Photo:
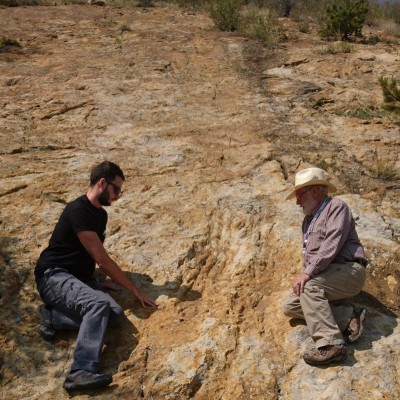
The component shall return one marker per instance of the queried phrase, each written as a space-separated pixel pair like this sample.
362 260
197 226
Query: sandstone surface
209 128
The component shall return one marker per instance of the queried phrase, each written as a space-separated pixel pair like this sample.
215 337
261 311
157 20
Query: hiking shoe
82 379
46 329
355 327
326 354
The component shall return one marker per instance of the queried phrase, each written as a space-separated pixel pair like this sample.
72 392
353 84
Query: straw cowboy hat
310 177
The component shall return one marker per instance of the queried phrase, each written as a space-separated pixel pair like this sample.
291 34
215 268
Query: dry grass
385 168
389 26
338 47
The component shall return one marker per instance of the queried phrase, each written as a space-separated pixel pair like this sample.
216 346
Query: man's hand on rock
144 300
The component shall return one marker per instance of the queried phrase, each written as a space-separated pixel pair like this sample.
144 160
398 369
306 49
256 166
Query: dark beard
104 198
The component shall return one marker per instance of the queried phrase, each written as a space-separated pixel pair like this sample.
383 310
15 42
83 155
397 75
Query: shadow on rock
370 301
144 282
119 344
88 393
379 321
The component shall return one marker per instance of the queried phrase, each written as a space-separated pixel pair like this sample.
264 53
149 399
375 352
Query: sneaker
82 379
355 327
326 354
46 329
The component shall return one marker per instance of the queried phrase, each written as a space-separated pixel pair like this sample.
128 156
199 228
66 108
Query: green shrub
6 42
344 18
390 91
124 28
262 24
304 27
226 14
248 19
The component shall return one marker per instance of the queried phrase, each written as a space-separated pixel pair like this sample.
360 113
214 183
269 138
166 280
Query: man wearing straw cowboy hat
333 269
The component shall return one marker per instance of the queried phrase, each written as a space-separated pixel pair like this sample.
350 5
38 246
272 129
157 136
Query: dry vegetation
260 18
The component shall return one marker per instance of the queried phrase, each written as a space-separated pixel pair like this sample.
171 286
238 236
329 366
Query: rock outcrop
209 128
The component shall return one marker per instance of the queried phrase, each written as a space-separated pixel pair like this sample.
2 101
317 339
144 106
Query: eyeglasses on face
299 195
116 188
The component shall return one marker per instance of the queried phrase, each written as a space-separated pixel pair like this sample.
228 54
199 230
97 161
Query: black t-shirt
65 249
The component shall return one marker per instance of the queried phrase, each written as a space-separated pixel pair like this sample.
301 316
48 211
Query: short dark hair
107 170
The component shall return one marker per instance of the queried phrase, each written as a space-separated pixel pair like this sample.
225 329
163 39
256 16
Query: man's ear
101 183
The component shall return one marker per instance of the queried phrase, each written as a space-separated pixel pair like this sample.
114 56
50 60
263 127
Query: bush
304 27
248 19
6 43
226 14
264 25
390 91
344 18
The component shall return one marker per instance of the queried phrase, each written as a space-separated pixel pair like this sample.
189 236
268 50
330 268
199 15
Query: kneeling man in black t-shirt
65 278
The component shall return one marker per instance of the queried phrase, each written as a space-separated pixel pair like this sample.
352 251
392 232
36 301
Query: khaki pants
326 320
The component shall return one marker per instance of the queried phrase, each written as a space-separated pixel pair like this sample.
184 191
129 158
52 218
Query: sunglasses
116 188
299 195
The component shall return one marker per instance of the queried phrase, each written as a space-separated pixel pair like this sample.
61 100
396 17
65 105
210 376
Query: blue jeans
84 306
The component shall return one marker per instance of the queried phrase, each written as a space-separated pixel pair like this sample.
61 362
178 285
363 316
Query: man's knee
292 308
286 309
96 306
117 316
289 310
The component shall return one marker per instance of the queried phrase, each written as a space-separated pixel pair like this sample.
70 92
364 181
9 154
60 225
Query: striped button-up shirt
333 238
